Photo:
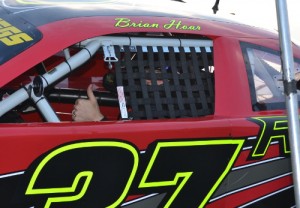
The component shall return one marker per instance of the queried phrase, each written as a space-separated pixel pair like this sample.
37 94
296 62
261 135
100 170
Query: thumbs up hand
87 109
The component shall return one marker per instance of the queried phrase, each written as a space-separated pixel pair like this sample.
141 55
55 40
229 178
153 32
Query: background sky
260 13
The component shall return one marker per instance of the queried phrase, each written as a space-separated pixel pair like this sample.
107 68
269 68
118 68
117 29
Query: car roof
38 14
41 21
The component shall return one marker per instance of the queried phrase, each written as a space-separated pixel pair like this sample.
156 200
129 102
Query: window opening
166 82
265 77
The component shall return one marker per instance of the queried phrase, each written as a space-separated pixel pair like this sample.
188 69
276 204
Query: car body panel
231 156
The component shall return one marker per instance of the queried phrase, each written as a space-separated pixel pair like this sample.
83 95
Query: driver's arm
87 109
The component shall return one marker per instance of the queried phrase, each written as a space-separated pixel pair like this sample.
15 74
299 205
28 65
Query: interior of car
134 77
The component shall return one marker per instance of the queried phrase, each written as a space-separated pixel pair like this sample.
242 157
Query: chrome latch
109 53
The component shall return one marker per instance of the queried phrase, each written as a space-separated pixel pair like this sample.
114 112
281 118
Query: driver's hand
87 109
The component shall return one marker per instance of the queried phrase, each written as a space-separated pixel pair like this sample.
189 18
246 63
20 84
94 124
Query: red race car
194 106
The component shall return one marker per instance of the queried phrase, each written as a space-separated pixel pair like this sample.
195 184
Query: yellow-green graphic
172 24
87 176
221 155
271 129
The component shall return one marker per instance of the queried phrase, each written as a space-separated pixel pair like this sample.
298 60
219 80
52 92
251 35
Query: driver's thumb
91 94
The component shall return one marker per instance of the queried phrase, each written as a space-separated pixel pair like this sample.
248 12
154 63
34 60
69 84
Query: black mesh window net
165 82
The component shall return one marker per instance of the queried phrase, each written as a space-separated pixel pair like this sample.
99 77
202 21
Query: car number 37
116 169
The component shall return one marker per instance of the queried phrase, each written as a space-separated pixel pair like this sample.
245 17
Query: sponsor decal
11 35
271 129
16 35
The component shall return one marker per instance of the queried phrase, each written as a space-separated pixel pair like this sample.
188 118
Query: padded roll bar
47 79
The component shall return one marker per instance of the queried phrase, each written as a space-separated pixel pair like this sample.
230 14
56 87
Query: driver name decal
172 24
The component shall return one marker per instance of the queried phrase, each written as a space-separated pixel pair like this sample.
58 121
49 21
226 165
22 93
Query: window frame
256 106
